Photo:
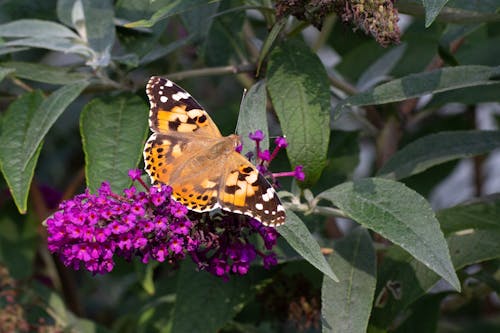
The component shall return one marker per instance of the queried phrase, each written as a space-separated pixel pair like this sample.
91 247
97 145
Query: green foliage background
377 130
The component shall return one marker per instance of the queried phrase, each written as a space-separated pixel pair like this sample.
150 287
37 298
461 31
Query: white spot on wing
259 206
180 95
194 113
163 99
268 195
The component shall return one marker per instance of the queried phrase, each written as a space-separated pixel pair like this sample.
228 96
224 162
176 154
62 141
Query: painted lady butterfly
187 152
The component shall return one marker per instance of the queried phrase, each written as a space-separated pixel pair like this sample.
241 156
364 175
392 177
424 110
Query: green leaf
198 20
173 8
93 19
432 8
54 305
300 239
223 41
253 116
346 306
49 43
469 95
162 51
416 85
113 133
35 28
416 279
5 71
18 166
18 245
459 12
205 302
399 214
474 246
269 42
145 276
381 68
44 73
423 316
343 159
8 50
47 114
300 93
481 214
438 148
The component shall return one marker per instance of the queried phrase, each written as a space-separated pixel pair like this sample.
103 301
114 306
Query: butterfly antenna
241 106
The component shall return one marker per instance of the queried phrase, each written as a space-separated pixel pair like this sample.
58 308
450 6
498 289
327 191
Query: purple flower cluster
264 157
90 230
226 248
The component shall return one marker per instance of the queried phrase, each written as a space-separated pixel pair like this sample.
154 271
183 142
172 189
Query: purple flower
281 142
134 174
299 173
265 155
175 245
270 260
219 267
257 136
178 210
91 230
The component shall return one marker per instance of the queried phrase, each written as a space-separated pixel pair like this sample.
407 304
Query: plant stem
211 71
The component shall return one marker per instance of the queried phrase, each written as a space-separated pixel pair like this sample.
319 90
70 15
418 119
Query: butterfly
187 152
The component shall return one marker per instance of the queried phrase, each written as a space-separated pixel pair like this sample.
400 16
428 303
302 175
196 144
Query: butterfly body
188 152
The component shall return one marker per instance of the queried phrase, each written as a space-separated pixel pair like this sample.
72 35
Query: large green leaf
301 240
46 115
479 214
113 133
44 73
300 93
399 214
416 85
415 279
205 302
438 148
432 8
253 116
346 306
17 167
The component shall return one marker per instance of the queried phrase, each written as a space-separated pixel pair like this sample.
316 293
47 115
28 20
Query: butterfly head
236 140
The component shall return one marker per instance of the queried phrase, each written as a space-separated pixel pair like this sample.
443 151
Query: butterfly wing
244 190
173 110
182 164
